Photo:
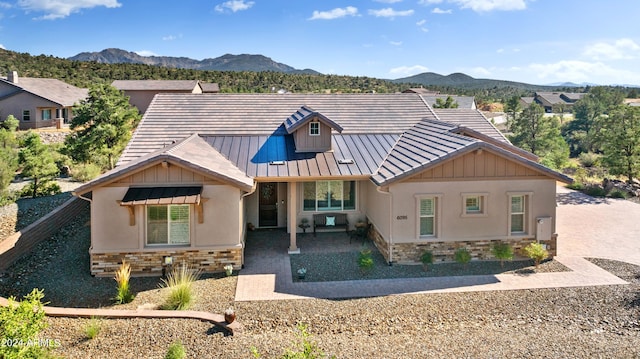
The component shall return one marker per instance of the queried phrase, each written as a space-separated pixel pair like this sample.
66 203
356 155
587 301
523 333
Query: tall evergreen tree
8 152
37 162
619 138
102 126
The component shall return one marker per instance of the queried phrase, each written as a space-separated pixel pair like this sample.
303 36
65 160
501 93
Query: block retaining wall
22 242
151 263
444 251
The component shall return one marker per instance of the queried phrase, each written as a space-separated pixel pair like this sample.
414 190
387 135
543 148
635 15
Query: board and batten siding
308 143
169 175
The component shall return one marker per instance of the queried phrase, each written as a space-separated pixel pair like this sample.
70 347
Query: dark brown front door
268 216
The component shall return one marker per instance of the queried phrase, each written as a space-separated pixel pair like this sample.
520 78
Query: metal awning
161 195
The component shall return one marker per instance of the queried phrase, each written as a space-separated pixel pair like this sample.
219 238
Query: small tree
426 258
8 152
502 251
448 103
37 162
536 252
20 324
462 256
365 261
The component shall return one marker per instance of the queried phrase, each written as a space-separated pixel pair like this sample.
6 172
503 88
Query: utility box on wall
543 229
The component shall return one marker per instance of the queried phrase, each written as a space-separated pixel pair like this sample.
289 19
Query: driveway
597 227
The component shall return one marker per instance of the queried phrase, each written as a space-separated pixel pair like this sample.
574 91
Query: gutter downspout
390 222
80 196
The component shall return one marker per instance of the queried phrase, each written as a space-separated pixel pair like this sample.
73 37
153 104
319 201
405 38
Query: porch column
291 216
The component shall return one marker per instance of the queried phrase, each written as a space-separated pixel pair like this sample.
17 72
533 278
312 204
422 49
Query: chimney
13 77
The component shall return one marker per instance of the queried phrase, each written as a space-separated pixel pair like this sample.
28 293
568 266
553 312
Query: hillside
468 82
228 62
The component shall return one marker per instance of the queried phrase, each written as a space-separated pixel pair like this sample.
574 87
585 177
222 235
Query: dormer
311 130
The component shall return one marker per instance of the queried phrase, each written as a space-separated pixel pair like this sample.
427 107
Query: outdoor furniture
330 220
361 231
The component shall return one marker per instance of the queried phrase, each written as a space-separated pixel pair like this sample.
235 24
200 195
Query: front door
268 207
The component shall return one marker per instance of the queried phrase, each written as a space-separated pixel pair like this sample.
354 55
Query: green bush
589 159
180 284
462 256
84 172
365 262
20 324
46 188
175 351
536 252
122 276
426 258
92 328
502 251
578 186
595 191
617 193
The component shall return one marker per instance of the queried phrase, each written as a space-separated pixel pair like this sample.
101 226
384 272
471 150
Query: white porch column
291 216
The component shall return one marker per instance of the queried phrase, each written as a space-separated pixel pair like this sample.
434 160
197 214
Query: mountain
465 81
228 62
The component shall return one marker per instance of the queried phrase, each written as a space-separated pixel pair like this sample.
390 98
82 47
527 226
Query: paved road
597 227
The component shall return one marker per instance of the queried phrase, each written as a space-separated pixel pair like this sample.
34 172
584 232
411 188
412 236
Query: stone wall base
151 263
444 251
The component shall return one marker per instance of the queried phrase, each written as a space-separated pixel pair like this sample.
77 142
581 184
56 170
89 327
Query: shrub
92 328
176 351
365 262
536 252
462 256
595 191
122 276
502 251
426 258
84 172
588 159
20 324
46 188
180 283
618 193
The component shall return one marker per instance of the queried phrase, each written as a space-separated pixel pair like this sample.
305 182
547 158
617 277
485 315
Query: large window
518 213
427 214
329 195
168 224
46 114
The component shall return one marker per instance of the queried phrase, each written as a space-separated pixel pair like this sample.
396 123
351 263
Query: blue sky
533 41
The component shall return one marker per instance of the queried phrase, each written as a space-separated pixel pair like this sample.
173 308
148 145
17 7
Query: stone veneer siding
151 263
444 251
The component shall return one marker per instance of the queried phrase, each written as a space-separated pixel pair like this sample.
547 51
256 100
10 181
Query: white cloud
388 1
334 14
408 70
491 5
389 12
169 38
500 51
438 10
622 49
582 71
480 71
62 8
396 43
429 2
234 5
5 5
2 47
421 22
146 53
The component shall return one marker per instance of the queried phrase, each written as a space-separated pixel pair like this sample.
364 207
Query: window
427 217
474 204
26 115
314 128
329 195
518 214
46 114
168 224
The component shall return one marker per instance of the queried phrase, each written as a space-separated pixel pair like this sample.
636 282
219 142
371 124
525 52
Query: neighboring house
553 101
200 168
141 92
421 91
37 102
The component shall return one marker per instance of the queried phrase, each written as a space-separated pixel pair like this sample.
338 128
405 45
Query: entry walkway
587 227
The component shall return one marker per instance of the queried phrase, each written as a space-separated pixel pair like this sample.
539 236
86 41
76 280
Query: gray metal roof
464 102
51 89
305 114
155 85
472 119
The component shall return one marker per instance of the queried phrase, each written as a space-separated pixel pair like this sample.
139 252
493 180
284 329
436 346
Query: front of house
201 168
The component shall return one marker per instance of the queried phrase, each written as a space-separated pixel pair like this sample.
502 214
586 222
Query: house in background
553 101
37 102
141 92
199 168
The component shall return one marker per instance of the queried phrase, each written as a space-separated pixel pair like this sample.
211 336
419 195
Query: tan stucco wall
453 225
110 229
14 105
377 208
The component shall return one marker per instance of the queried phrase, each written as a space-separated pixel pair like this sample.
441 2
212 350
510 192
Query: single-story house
553 101
200 168
141 92
38 102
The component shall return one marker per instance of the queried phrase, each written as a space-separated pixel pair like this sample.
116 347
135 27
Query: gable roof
464 102
304 115
53 90
192 153
155 85
208 87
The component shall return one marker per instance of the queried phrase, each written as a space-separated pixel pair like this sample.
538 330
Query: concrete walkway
587 227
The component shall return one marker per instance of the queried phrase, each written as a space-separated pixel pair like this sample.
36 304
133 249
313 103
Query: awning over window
161 195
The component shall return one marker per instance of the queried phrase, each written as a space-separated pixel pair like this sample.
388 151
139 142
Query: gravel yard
569 322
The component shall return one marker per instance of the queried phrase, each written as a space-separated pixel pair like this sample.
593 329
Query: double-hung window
518 214
168 224
427 216
329 195
26 115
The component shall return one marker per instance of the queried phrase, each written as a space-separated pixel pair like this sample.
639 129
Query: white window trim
146 230
437 223
483 198
527 214
355 208
310 128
